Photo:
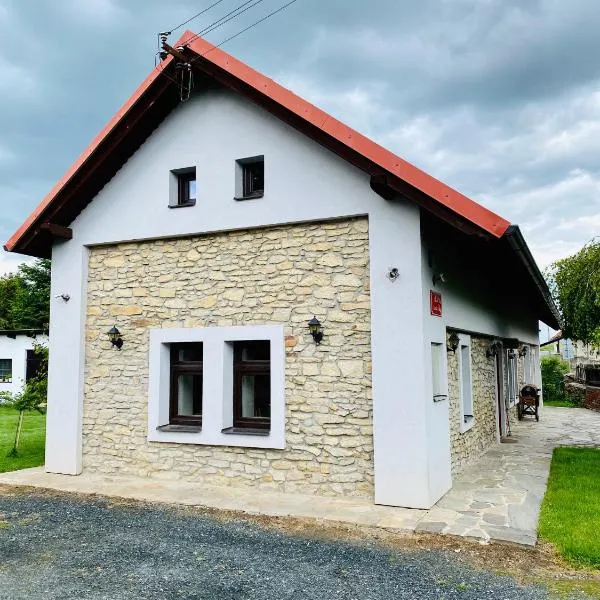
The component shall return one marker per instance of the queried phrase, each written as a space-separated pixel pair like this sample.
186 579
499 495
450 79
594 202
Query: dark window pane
5 370
252 384
187 352
251 351
256 397
189 395
254 178
186 188
186 383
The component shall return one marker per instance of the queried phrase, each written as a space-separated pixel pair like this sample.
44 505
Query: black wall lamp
115 337
316 330
493 349
453 342
523 350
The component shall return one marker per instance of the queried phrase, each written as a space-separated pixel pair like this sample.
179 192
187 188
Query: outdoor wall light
523 350
453 342
316 330
493 349
438 278
115 337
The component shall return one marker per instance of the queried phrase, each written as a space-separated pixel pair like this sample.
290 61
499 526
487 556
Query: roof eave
517 243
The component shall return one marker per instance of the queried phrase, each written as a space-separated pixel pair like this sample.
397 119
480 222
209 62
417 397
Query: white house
209 233
18 361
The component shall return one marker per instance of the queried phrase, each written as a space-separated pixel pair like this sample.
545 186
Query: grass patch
565 402
33 438
570 515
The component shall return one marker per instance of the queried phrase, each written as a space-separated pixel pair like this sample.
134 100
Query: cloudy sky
498 98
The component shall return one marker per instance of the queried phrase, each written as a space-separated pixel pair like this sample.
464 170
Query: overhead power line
215 25
236 12
195 16
266 17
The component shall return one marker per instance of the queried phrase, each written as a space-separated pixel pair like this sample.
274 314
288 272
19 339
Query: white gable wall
303 182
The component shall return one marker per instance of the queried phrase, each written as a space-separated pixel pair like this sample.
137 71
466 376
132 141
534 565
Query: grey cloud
499 98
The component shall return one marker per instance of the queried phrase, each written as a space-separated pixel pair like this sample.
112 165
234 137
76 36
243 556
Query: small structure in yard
247 292
18 360
574 352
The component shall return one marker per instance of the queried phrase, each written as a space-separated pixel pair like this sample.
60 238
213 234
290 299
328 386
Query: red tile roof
63 203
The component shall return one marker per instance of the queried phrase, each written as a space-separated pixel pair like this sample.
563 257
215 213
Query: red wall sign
435 301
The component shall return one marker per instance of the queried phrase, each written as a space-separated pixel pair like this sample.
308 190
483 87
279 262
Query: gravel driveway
72 548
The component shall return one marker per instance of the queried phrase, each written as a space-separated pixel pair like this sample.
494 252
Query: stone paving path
499 497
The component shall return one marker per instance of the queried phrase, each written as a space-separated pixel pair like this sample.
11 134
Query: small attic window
182 190
250 178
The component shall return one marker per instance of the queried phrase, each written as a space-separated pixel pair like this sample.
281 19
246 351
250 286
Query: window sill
180 428
467 425
250 196
245 431
185 205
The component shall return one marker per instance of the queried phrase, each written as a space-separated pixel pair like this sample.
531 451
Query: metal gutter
516 241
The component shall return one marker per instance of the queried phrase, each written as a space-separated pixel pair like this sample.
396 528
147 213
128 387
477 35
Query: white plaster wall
460 310
16 349
303 182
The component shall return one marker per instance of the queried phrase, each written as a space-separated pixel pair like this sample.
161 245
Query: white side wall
462 309
16 350
303 182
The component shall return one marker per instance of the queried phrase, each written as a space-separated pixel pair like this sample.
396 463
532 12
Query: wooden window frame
178 368
183 189
240 369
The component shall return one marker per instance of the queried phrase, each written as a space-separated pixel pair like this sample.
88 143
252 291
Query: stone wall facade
466 447
280 275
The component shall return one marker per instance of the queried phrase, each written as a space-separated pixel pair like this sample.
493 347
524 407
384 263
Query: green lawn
31 450
565 402
570 516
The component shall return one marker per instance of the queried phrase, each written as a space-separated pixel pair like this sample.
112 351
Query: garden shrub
554 370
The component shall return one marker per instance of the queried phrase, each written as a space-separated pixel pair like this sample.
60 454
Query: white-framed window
465 374
241 398
438 372
511 366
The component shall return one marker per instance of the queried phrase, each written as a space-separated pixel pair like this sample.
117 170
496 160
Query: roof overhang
391 176
154 99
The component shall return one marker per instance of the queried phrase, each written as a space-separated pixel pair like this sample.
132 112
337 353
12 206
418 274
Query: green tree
33 397
575 282
10 286
554 370
30 305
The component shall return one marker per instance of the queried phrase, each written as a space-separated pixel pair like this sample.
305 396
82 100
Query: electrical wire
236 12
222 21
266 17
195 16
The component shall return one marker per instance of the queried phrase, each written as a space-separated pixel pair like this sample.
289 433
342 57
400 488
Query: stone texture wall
586 396
468 446
592 398
280 275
